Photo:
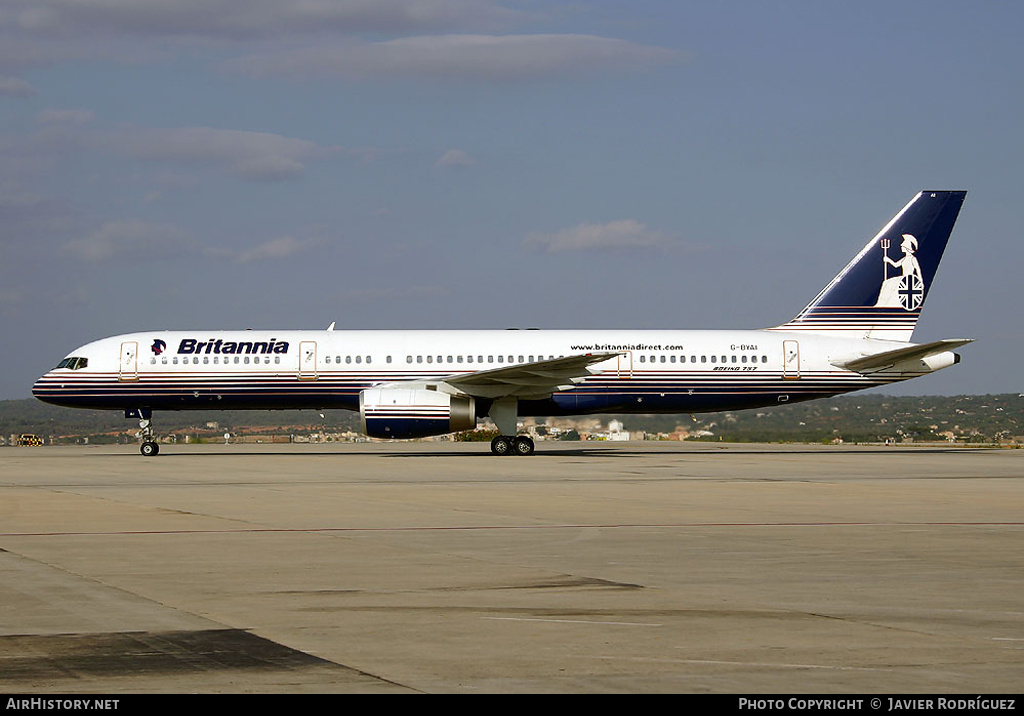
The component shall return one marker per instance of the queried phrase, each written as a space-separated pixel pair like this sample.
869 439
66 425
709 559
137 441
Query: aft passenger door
307 360
128 366
791 360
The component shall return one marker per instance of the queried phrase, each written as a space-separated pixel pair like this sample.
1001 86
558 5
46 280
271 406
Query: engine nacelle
928 364
405 413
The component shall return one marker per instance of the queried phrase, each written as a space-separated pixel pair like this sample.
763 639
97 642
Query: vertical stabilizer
881 292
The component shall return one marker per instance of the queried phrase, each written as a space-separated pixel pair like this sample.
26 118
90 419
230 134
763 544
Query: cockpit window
73 363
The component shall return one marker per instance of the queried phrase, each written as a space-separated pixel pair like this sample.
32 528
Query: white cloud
134 240
626 234
14 87
279 248
28 219
255 156
455 158
65 116
241 19
471 57
131 239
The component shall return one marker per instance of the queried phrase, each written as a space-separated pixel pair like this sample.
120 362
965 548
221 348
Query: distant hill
857 418
70 425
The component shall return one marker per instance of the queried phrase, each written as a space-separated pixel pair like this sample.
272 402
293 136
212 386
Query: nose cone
37 387
43 389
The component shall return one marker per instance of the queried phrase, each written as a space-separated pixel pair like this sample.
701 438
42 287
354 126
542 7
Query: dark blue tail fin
881 292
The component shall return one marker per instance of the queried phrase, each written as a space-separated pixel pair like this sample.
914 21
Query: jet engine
404 413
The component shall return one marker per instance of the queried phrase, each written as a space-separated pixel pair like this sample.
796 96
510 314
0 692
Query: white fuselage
652 371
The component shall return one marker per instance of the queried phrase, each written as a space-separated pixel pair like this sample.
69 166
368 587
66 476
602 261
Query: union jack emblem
911 292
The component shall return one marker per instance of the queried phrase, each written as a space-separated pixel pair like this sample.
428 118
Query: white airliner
410 384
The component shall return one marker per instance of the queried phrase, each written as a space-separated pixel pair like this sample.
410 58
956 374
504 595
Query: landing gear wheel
148 446
501 445
522 445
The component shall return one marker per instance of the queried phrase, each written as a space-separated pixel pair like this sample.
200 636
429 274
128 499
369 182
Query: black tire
501 445
149 449
522 446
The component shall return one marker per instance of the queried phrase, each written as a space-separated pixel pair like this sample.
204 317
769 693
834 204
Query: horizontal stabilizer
887 359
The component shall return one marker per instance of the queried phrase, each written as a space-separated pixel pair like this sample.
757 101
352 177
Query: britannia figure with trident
905 290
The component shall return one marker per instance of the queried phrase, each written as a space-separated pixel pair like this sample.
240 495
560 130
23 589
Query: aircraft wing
887 359
533 381
529 380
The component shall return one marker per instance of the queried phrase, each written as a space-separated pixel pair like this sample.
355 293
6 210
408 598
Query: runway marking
570 621
478 528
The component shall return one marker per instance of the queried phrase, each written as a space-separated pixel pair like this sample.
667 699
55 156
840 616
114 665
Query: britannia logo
905 289
158 347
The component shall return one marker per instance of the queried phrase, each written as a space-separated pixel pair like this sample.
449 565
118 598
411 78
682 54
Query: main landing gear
512 445
504 412
149 446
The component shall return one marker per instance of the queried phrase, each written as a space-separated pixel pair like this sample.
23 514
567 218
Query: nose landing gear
149 446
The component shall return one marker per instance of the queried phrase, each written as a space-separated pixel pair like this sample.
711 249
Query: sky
405 164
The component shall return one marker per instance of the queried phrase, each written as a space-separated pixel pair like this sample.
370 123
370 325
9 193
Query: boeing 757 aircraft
855 334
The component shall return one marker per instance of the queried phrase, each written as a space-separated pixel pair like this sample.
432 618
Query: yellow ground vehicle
28 439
